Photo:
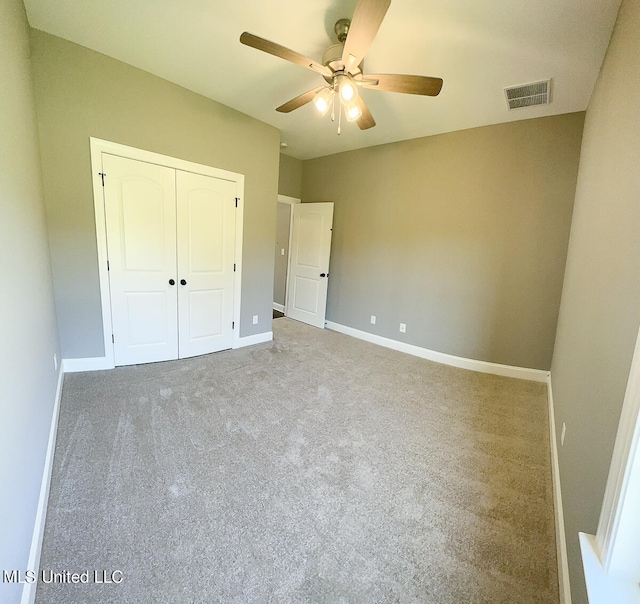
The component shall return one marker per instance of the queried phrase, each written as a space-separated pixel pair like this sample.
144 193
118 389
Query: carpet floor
313 468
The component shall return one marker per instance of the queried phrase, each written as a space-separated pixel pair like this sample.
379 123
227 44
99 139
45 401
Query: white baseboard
88 364
279 307
523 373
258 338
29 589
100 363
561 541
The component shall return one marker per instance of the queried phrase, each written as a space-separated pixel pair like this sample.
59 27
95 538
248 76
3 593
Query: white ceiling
478 47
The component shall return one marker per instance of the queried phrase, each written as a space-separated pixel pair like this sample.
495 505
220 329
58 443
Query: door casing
289 201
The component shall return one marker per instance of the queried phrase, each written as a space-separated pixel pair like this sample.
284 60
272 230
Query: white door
140 212
309 262
206 244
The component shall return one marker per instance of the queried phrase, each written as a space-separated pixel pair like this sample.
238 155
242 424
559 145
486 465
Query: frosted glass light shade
323 99
347 91
352 111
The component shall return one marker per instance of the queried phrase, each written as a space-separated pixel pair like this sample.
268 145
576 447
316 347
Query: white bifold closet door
171 240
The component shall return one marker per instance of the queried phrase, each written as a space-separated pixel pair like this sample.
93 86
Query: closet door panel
140 212
206 246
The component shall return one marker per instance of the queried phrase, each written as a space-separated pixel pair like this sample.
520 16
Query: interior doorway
302 254
281 264
309 256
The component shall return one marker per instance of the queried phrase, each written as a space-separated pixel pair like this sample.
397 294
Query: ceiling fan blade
284 53
366 21
365 121
409 84
299 101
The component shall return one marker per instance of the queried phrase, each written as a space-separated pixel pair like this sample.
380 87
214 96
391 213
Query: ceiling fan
342 66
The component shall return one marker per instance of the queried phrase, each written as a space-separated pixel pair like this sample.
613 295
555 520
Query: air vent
528 95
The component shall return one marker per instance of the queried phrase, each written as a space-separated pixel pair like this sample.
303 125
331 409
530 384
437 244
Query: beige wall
461 236
290 177
600 310
81 93
27 314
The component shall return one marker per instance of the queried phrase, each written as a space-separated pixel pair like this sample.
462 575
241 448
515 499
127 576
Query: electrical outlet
55 361
255 319
403 328
564 431
373 319
282 251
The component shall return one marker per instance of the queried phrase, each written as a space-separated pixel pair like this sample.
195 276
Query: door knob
323 275
172 282
183 282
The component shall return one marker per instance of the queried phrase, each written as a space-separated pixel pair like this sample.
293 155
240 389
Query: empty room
326 301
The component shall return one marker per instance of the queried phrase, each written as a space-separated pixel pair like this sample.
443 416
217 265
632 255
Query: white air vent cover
528 95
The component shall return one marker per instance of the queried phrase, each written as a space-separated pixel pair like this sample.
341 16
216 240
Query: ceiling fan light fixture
347 91
323 99
346 87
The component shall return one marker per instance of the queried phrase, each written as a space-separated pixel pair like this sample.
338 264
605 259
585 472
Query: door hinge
233 324
237 200
234 267
113 340
108 265
102 175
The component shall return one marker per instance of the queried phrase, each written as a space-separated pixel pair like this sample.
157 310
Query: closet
170 242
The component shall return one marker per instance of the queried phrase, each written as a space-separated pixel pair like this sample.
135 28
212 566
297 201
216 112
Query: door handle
172 282
183 282
324 274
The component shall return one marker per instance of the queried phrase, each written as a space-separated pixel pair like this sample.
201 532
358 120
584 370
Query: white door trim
611 558
289 200
619 529
98 147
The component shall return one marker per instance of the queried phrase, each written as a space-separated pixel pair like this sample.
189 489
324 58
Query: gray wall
29 338
290 177
600 310
81 93
461 236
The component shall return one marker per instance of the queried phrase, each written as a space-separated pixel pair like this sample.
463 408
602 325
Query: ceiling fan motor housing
332 57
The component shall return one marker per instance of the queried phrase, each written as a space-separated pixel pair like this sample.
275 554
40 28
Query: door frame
98 147
289 201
